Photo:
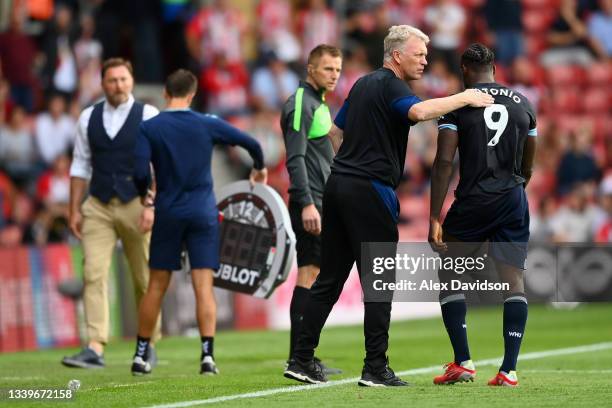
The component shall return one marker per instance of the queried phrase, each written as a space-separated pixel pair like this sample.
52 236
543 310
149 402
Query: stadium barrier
34 315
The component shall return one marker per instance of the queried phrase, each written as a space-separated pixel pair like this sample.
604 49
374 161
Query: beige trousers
103 224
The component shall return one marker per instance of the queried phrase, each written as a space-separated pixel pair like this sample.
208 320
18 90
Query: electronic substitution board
257 242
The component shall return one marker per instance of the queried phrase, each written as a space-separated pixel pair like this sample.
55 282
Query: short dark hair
321 49
116 62
181 83
478 57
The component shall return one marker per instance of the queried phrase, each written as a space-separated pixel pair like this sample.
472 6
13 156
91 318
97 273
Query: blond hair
397 37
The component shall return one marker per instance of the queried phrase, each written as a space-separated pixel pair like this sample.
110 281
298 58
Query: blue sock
515 319
453 314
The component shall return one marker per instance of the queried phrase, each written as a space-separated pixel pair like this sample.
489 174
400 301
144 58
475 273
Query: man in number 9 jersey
496 150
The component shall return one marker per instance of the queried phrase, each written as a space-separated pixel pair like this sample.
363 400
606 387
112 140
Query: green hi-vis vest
321 121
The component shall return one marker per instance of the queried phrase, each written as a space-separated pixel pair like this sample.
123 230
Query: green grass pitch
253 361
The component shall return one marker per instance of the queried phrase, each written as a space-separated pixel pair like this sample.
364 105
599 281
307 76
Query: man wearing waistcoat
104 157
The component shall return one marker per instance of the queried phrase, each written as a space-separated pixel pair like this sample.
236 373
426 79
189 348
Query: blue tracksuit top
179 144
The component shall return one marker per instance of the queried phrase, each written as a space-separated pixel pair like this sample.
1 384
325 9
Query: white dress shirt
53 137
113 119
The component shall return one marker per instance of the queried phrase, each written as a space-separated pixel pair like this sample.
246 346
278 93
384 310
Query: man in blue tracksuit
179 144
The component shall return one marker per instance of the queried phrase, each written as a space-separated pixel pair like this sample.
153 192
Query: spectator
53 187
7 193
607 156
600 30
216 29
540 227
367 28
504 21
354 66
568 38
53 193
274 29
406 12
74 110
440 81
60 69
264 127
175 14
446 19
17 55
548 155
143 19
107 15
225 85
273 83
316 24
6 104
17 151
25 225
88 53
523 81
11 235
577 165
577 220
54 130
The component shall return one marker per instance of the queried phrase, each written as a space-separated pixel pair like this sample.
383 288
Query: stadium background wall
34 315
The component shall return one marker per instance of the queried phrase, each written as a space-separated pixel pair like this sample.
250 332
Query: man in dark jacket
305 122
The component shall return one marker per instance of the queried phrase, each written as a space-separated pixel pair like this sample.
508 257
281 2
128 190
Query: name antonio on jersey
509 93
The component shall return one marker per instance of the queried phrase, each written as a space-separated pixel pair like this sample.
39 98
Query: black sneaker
86 358
208 366
327 370
310 372
141 366
384 377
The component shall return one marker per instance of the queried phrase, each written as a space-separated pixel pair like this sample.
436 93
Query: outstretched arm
433 108
225 133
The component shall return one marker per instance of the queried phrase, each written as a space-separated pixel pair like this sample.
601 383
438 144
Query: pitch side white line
551 371
423 370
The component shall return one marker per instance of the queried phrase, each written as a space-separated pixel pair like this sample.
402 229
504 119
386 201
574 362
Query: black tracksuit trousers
353 212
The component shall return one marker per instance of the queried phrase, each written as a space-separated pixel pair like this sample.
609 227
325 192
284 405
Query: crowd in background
249 57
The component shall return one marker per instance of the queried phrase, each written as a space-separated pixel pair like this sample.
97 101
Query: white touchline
424 370
562 371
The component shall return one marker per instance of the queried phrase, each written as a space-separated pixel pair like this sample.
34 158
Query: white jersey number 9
499 125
